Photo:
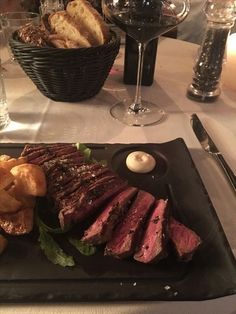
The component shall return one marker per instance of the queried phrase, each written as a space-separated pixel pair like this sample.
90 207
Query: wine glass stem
136 106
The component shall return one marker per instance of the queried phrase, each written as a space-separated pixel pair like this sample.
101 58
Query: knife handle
229 173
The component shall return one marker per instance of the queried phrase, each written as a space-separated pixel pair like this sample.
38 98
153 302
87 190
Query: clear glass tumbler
11 21
49 6
4 115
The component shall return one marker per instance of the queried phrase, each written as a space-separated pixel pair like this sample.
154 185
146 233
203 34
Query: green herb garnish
83 248
87 152
52 250
84 150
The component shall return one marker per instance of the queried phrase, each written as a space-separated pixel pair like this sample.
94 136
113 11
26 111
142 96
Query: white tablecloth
38 119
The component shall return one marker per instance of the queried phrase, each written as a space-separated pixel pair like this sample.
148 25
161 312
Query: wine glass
143 20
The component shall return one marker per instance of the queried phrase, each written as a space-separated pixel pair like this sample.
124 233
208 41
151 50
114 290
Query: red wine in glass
143 20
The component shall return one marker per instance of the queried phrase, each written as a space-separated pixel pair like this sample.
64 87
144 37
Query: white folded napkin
224 139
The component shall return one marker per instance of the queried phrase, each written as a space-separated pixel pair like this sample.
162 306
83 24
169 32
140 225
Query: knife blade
210 147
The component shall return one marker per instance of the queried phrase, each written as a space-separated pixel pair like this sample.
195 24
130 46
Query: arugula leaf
52 250
87 152
84 150
83 248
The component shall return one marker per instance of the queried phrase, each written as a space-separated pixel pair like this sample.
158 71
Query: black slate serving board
27 276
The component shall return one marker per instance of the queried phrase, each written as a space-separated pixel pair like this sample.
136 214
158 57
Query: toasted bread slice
63 25
61 42
88 17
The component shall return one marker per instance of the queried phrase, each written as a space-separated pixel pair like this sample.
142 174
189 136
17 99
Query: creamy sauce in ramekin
140 162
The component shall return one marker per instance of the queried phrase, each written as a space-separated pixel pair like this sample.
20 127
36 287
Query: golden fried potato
26 200
6 178
4 157
8 204
12 162
17 223
30 179
3 243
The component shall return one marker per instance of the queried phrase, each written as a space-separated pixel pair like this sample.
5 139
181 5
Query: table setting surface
37 119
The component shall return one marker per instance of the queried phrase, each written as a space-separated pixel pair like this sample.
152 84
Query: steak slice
42 159
34 154
154 241
50 156
39 154
75 184
29 148
90 189
75 210
101 230
127 233
60 176
185 240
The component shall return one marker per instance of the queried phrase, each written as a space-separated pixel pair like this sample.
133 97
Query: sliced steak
60 151
101 230
75 210
74 157
90 189
185 240
127 233
153 245
30 148
64 189
42 159
39 154
77 189
35 154
61 175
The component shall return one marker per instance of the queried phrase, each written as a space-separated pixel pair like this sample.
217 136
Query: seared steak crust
41 153
29 148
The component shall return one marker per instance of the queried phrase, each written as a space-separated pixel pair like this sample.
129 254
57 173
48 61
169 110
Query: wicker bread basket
66 74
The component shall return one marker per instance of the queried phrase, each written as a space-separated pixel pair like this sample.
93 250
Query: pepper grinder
207 70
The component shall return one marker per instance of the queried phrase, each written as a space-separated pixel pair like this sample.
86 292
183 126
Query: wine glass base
149 114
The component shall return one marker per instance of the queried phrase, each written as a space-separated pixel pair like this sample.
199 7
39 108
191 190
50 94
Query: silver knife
209 146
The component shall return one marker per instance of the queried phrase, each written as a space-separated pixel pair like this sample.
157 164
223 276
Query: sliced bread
62 42
89 18
66 27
